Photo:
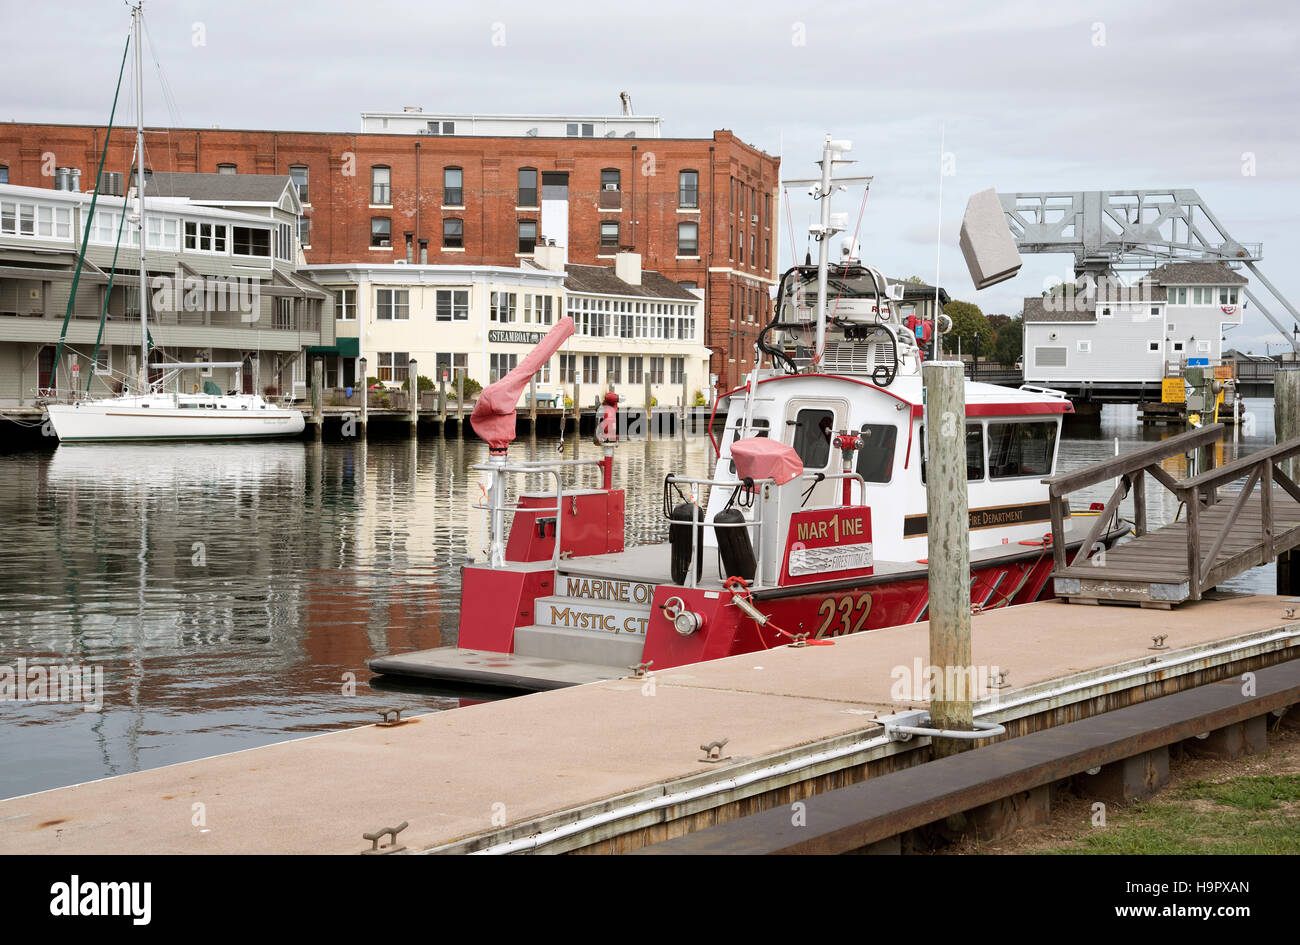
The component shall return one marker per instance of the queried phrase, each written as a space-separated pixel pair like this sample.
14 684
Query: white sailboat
149 412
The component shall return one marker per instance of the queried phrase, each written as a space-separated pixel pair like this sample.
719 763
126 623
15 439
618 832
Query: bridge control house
1119 340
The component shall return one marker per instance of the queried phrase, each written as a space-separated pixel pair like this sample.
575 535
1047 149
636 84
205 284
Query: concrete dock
594 767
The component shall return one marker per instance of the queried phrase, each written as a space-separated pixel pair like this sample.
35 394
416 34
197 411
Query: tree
997 321
1010 344
967 322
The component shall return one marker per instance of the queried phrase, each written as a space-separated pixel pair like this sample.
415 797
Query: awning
344 347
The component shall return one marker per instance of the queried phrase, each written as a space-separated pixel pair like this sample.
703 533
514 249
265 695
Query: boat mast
823 251
137 12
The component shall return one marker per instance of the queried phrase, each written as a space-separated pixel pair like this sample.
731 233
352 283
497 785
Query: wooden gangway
1235 517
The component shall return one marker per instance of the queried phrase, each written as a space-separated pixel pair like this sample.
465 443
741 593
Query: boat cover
758 457
493 418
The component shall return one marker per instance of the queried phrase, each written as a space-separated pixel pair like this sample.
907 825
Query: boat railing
497 508
696 550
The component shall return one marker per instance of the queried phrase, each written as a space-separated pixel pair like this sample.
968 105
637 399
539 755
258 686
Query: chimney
627 266
550 256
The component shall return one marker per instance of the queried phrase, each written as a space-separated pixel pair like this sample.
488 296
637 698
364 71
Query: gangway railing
497 508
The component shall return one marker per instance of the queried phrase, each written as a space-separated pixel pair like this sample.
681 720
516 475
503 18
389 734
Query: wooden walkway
1220 535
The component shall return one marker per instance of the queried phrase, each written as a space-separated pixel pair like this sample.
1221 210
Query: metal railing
497 508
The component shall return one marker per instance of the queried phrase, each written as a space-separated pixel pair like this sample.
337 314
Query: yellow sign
1223 372
1172 391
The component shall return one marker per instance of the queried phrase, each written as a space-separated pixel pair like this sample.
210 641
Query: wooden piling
577 408
365 396
1286 426
649 414
951 706
532 403
460 403
413 379
318 396
442 403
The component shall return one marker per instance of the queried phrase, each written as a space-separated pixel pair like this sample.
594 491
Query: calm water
230 593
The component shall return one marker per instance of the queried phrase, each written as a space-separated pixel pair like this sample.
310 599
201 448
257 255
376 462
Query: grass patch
1245 815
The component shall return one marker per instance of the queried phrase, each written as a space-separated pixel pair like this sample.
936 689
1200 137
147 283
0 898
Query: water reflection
229 590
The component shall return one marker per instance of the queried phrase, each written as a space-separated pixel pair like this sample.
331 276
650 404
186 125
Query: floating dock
614 766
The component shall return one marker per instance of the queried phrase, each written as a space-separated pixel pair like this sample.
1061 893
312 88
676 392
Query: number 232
845 608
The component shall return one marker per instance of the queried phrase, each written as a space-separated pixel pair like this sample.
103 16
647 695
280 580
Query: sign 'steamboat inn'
813 525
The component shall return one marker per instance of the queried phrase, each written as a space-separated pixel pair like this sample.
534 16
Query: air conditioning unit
754 219
611 186
399 262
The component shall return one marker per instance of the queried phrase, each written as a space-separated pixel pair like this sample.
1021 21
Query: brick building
702 211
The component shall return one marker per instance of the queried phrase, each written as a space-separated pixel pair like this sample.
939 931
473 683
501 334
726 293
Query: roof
601 280
915 290
1076 310
232 188
1197 273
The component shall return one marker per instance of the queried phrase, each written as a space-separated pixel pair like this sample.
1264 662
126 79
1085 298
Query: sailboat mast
137 12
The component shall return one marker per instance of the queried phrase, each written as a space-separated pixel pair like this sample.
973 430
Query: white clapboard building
1119 338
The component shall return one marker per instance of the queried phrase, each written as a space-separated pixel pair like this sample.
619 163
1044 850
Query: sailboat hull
105 421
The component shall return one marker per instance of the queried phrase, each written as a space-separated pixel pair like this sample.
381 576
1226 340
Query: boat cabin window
1021 449
974 452
757 427
876 457
812 437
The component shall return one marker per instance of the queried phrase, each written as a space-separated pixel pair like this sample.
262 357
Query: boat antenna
938 245
137 14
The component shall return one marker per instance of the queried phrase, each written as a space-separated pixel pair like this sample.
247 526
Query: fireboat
813 525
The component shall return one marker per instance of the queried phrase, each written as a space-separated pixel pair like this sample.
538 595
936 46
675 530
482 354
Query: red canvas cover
493 418
759 457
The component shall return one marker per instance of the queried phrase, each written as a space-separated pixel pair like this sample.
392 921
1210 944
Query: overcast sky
1030 95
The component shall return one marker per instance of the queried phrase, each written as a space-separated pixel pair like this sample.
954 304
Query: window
1153 346
677 370
1227 296
393 304
1177 296
205 237
347 305
1202 347
527 236
688 189
4 173
453 234
298 173
609 179
393 365
1021 449
1155 311
1085 347
688 243
282 315
876 457
503 307
656 370
614 369
501 365
250 241
591 369
284 241
1178 346
56 223
543 375
609 236
439 127
381 232
381 190
974 453
610 197
304 231
452 305
635 370
568 368
104 360
528 187
812 437
453 189
227 169
448 365
580 129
